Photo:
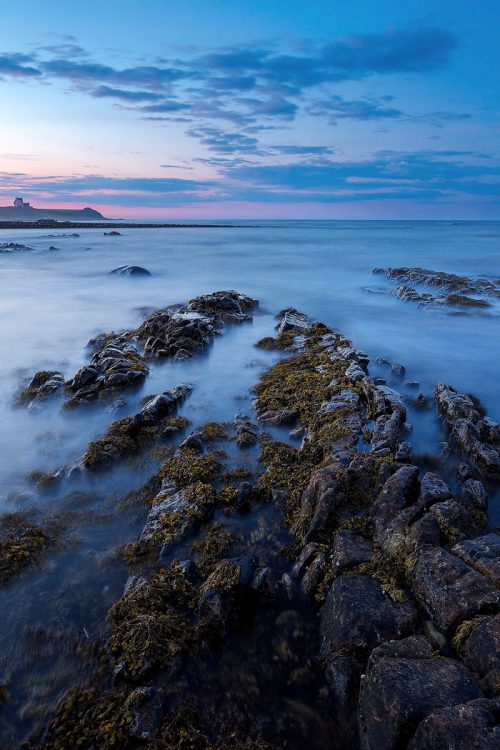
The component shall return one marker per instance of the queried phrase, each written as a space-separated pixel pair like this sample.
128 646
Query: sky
326 109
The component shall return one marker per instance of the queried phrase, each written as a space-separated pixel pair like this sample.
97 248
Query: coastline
53 224
370 562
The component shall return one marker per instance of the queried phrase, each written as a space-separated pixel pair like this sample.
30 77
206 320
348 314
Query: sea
52 301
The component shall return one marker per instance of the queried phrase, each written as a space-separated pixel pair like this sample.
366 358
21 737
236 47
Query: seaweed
188 467
22 543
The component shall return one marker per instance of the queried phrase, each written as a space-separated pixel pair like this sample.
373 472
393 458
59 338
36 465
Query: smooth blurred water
52 302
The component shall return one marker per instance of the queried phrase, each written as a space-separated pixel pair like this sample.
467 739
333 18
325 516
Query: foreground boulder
405 682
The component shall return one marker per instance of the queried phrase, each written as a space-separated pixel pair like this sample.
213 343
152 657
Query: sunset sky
262 109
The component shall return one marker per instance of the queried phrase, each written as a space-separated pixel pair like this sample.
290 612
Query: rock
433 490
305 558
278 417
477 437
113 233
483 554
313 576
450 590
290 319
470 726
349 550
412 384
130 271
387 432
473 495
343 675
398 369
398 492
403 453
480 650
43 384
192 442
453 520
358 615
148 711
405 682
326 492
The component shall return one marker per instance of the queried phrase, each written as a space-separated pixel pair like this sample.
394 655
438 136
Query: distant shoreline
48 224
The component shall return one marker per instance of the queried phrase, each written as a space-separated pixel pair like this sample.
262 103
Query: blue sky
339 109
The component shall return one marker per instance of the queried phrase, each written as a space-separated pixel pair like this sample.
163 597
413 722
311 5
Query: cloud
223 142
16 65
361 109
148 77
125 95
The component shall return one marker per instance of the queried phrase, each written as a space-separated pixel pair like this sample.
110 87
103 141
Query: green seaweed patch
387 572
214 545
90 719
359 524
225 577
235 475
22 544
213 432
189 467
226 496
152 622
464 301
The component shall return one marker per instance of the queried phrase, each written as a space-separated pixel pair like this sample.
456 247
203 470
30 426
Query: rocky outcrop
476 436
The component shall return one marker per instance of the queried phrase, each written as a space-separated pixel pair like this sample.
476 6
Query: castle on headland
19 203
21 210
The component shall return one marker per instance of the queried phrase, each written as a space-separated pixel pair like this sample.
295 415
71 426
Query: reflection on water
53 302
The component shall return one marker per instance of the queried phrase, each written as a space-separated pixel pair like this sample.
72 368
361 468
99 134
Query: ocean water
53 301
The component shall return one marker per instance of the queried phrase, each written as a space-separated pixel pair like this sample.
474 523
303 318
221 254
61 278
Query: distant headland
21 211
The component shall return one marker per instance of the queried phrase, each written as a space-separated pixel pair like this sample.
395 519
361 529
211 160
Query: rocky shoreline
334 592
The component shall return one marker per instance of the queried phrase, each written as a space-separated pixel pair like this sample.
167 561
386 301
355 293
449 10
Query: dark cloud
125 95
16 65
337 108
225 143
145 76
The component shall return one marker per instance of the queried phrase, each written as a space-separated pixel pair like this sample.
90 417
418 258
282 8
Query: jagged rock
305 558
433 490
387 432
473 495
405 682
477 437
453 520
290 319
349 550
398 492
358 615
470 726
43 384
481 652
313 576
450 590
483 554
326 492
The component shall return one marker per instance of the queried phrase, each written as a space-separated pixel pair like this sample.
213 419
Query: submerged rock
130 271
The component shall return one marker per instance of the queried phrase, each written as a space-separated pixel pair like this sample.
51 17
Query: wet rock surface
315 589
452 290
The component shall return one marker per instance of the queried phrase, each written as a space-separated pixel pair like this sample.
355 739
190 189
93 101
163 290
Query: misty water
53 301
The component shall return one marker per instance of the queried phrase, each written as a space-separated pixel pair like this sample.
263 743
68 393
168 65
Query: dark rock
358 615
43 384
470 726
398 369
412 384
403 453
192 442
343 675
148 711
405 682
398 492
481 652
326 492
130 271
483 554
305 558
313 576
113 233
450 590
473 495
453 520
349 550
433 490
